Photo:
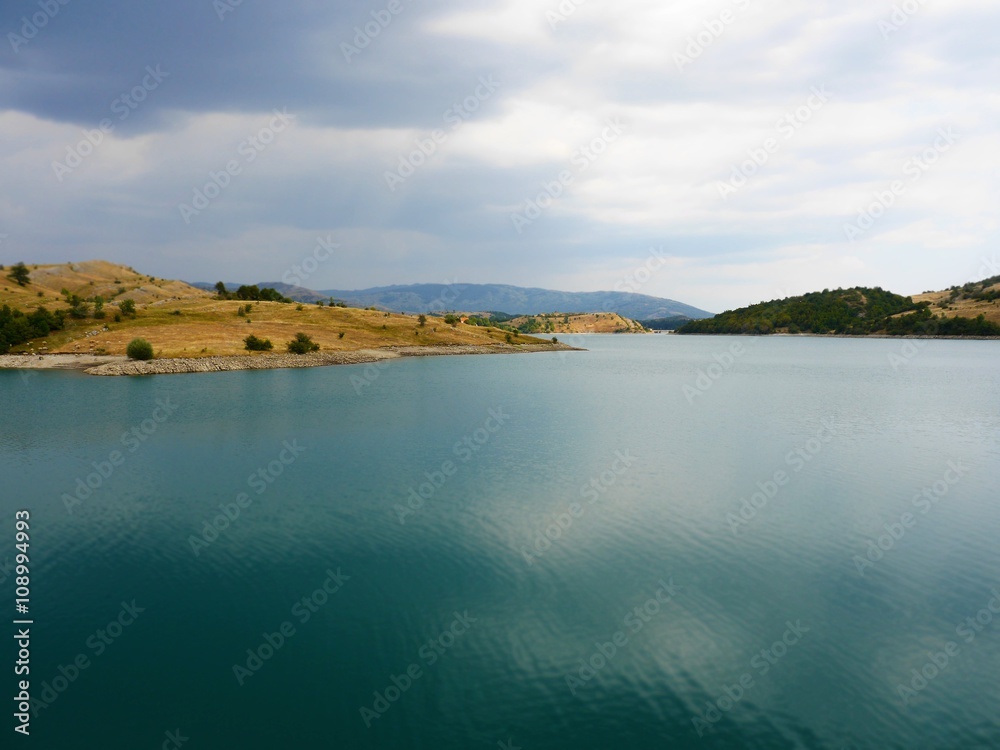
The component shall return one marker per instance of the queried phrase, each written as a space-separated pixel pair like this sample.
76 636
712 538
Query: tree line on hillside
854 312
252 293
17 327
664 324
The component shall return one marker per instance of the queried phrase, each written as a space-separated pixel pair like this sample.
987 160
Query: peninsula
93 310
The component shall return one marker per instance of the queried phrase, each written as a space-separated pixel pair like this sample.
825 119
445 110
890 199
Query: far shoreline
111 365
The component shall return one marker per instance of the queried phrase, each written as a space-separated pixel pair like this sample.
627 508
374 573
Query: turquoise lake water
662 542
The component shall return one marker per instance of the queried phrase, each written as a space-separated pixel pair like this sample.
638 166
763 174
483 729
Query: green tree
139 349
422 319
220 288
302 344
19 274
127 307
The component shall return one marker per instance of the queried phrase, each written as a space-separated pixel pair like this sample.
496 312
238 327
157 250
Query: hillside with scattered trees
859 311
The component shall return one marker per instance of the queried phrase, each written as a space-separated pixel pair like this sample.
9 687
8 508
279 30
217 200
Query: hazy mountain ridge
514 300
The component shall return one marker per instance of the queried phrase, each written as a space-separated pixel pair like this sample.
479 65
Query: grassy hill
576 323
864 311
183 321
968 301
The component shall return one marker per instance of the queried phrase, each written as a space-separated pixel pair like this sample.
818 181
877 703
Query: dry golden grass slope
942 303
182 321
583 323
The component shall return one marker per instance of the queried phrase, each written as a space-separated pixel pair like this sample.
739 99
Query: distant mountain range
514 300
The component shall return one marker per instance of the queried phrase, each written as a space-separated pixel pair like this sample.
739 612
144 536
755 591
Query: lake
662 542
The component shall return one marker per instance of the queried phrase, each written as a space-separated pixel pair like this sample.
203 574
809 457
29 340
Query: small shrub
302 344
299 307
254 344
80 310
127 307
340 335
139 349
118 318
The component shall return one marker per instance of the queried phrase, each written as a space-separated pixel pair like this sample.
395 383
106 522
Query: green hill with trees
859 311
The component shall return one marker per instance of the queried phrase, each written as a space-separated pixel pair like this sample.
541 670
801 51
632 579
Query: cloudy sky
728 151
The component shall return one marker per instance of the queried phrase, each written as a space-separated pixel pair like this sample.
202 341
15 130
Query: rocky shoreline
112 366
